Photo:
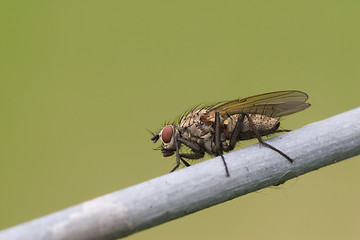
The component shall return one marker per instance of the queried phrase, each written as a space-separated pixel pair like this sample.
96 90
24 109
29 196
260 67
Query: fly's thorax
193 128
191 118
263 124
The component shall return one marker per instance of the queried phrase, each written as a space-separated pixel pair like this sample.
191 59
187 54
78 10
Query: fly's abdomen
263 124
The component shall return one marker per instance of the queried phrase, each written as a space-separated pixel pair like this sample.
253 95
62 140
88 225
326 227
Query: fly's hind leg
252 125
218 141
282 130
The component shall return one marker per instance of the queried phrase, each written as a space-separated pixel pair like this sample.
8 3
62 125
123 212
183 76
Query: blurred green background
82 81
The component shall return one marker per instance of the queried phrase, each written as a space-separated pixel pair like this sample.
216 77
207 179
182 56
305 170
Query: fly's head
167 136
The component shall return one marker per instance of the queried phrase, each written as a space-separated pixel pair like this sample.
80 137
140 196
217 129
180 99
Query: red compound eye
166 133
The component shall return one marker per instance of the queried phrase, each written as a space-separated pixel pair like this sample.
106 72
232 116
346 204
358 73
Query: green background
82 81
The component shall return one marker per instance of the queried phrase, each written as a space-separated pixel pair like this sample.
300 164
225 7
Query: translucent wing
273 104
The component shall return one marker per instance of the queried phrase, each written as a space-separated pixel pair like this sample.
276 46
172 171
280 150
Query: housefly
217 128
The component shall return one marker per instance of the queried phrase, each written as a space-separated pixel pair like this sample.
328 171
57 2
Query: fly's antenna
155 137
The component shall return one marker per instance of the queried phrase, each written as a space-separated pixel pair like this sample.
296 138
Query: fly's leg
237 131
185 162
282 130
177 155
218 141
197 152
252 125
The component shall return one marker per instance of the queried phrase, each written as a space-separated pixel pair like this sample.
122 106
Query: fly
217 128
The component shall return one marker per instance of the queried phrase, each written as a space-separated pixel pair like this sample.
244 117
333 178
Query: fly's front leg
252 125
177 145
197 151
218 143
